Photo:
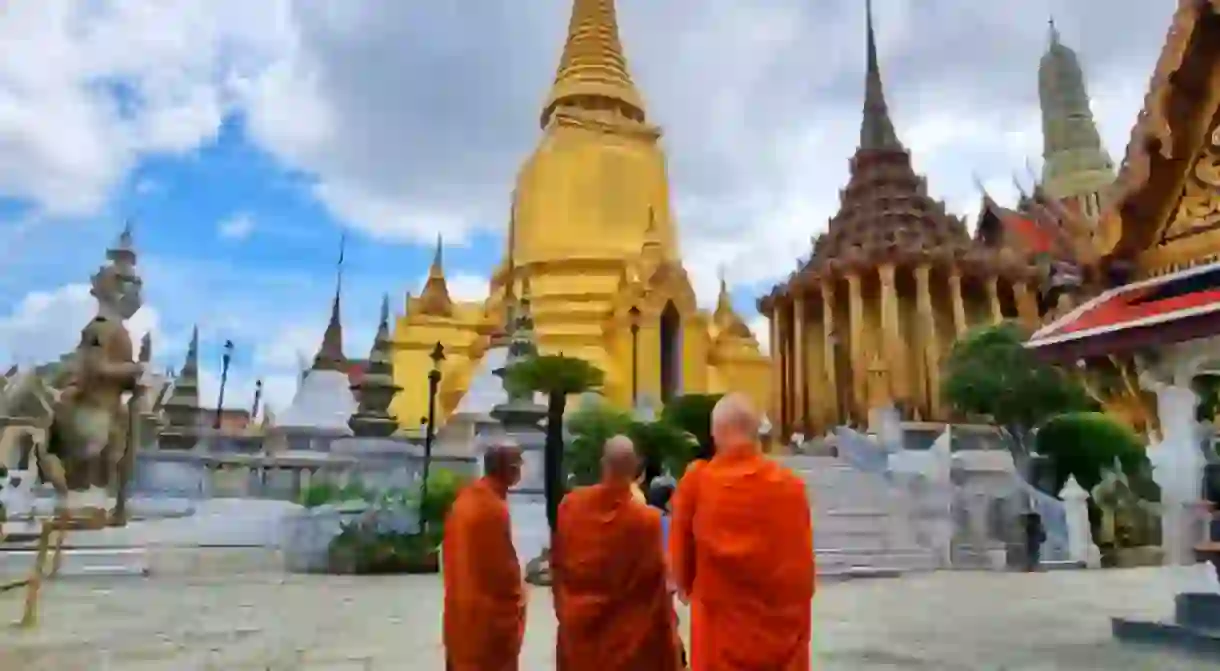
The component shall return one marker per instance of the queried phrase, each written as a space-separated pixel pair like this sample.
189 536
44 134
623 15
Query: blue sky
242 138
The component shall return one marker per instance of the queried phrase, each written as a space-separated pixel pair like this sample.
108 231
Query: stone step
81 562
1204 643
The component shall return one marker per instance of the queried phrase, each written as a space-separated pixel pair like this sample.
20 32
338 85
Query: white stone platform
860 521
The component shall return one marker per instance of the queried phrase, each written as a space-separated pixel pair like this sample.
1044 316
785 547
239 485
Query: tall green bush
1084 444
693 414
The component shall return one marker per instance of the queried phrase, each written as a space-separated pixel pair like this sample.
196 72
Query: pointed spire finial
434 299
877 129
330 353
385 309
1054 30
437 269
593 65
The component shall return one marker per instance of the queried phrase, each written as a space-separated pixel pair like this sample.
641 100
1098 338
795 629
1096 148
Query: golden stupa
592 232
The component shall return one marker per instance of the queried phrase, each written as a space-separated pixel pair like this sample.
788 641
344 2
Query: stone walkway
260 621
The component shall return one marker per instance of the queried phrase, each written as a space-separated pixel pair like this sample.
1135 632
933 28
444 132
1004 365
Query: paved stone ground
260 620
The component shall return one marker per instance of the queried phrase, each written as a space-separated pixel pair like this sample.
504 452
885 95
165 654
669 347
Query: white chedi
324 402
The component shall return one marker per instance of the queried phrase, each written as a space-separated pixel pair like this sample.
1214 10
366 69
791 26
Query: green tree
693 414
1208 388
990 372
589 428
664 447
1084 444
558 377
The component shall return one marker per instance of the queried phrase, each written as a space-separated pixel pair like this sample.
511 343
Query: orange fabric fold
741 547
484 620
611 596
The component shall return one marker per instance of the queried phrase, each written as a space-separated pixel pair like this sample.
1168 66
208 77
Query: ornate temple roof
1162 310
885 214
593 64
1166 131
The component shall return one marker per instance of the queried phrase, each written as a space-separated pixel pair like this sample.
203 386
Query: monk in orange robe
484 621
612 599
741 548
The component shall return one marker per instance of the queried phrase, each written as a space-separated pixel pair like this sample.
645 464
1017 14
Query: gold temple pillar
831 403
993 299
780 421
799 399
959 305
855 316
891 334
931 346
1027 305
777 379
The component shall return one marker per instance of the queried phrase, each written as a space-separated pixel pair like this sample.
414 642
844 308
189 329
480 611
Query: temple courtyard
210 617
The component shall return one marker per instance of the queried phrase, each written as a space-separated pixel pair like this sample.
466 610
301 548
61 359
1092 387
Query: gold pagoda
888 288
592 230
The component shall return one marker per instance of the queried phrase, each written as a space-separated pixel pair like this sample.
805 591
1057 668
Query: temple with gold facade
888 287
895 280
592 229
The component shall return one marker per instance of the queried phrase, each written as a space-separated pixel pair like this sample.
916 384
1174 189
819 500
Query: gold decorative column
931 346
1027 305
959 306
799 399
993 300
777 379
891 333
780 421
855 316
828 352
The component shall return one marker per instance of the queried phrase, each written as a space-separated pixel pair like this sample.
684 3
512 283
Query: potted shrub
398 533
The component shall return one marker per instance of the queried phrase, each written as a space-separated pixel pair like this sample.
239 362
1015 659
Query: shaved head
735 423
502 462
619 460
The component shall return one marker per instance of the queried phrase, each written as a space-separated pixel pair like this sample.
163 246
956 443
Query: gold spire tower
593 65
591 233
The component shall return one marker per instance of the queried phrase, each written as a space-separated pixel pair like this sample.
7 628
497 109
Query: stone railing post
1081 548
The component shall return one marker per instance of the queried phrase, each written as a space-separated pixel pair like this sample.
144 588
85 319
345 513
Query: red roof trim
1122 308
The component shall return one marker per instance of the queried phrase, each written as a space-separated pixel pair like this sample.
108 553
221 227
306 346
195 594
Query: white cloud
46 324
89 87
407 120
237 226
278 389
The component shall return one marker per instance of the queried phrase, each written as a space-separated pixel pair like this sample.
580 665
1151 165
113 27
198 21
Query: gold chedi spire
434 300
725 316
593 64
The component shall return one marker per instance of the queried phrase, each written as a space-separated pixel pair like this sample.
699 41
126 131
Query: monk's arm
802 539
682 533
558 585
498 573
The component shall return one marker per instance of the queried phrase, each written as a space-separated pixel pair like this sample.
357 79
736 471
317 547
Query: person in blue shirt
660 491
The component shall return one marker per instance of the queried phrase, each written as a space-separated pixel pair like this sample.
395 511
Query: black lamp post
635 354
224 379
434 381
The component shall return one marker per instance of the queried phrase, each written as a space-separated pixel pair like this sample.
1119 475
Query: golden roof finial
725 316
434 299
593 64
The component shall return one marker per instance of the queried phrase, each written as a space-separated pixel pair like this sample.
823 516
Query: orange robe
610 587
484 620
741 548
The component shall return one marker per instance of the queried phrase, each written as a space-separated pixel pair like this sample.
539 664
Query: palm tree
557 376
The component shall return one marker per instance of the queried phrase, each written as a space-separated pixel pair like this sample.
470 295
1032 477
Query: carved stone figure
89 433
